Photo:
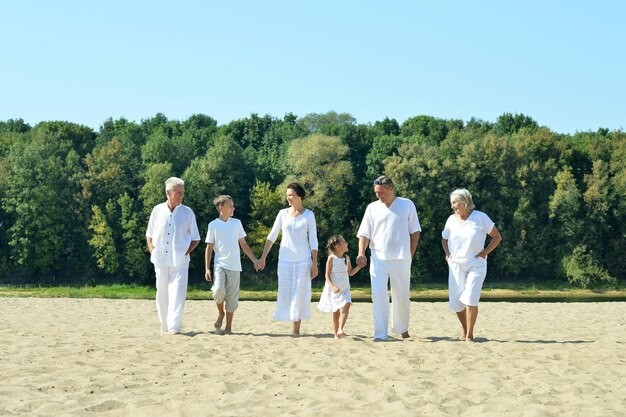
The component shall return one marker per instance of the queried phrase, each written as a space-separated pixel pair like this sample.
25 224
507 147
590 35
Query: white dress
331 301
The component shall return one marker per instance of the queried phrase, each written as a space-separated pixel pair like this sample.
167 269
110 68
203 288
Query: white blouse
299 235
467 239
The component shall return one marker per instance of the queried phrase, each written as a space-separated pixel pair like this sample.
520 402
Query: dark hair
297 188
384 180
332 244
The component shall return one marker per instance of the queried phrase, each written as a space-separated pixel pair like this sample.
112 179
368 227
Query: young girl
336 295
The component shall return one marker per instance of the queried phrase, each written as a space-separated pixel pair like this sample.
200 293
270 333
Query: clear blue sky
561 62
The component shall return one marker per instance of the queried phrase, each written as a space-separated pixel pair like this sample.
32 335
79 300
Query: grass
427 293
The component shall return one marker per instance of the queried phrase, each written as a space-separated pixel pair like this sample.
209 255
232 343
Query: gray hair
172 183
464 196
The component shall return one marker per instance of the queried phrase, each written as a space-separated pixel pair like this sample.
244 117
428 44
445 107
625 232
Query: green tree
46 234
102 242
319 164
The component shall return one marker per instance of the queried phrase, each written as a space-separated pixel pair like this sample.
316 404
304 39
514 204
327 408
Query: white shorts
465 280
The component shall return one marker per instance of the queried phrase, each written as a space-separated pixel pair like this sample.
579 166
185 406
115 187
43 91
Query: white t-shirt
299 235
225 235
389 229
467 240
172 232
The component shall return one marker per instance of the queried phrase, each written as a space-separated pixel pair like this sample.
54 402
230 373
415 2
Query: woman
297 258
463 241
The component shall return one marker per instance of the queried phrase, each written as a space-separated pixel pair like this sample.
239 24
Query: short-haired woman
463 241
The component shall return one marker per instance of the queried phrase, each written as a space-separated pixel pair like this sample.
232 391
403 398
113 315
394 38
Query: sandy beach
94 357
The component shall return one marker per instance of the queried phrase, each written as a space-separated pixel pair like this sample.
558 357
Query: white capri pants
171 286
226 288
294 291
465 280
399 273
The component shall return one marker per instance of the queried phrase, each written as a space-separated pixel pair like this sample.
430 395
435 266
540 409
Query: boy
224 236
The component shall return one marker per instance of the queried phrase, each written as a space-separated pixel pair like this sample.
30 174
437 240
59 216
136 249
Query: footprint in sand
106 406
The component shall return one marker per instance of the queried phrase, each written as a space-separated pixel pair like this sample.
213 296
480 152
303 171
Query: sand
94 357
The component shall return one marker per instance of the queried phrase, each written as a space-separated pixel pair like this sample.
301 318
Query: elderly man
392 229
172 234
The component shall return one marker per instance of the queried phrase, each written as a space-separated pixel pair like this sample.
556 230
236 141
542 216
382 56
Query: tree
432 129
508 124
319 164
46 234
102 242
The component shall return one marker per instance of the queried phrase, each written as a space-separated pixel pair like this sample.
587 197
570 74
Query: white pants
465 280
171 285
398 272
294 291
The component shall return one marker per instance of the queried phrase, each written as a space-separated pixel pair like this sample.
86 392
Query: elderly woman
297 258
463 241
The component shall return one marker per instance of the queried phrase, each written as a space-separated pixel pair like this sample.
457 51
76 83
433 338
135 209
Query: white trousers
465 280
171 285
294 291
398 272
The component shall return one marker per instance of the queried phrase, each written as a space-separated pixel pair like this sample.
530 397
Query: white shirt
389 229
299 235
225 235
171 233
467 240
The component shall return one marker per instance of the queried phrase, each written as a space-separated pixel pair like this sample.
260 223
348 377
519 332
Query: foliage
74 202
583 270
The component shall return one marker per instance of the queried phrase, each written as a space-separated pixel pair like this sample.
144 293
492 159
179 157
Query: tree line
74 202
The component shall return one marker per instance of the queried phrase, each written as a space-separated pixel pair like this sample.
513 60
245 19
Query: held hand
336 290
314 271
361 260
207 275
482 255
260 264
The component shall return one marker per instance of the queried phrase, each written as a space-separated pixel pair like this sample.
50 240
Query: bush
583 270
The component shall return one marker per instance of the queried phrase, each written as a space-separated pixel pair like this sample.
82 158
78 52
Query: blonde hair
464 196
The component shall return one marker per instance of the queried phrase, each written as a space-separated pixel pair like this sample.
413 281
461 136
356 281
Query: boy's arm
208 254
352 271
246 249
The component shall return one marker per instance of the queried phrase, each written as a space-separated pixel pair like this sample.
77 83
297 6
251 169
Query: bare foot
295 334
227 331
342 334
406 335
218 322
337 336
462 336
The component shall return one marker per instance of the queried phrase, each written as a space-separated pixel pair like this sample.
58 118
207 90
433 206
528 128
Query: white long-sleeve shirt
299 235
389 229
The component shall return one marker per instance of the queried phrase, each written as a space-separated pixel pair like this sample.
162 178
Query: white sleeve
278 224
195 233
150 230
210 235
312 231
445 233
242 233
414 221
487 223
365 229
